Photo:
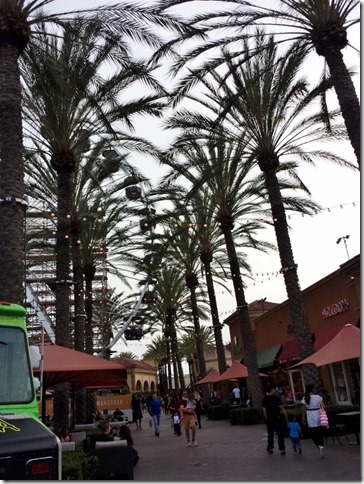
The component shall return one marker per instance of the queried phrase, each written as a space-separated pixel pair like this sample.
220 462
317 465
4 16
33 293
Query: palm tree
319 25
128 354
236 191
21 23
267 107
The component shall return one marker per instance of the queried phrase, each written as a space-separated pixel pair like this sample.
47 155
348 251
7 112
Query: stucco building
330 303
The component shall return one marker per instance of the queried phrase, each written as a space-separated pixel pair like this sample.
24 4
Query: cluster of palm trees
244 118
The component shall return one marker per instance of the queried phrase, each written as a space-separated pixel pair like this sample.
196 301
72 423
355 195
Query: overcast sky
314 239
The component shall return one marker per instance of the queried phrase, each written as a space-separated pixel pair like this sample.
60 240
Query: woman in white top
311 415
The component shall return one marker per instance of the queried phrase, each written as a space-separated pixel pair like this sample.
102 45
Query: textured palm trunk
89 276
199 341
12 252
168 365
289 269
177 356
255 387
62 287
79 293
346 95
215 319
63 280
220 350
80 403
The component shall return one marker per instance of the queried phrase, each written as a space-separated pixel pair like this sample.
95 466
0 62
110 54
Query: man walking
155 412
236 393
274 411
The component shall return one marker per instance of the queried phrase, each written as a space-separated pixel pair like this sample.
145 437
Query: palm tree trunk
79 293
220 350
199 341
289 269
346 95
168 366
89 275
215 319
11 176
174 342
255 386
62 286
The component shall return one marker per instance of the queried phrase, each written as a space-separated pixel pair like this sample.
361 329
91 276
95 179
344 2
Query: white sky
313 238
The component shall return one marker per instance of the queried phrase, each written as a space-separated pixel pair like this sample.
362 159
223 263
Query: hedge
78 466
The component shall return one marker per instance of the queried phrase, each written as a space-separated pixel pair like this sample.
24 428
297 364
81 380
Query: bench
68 446
114 462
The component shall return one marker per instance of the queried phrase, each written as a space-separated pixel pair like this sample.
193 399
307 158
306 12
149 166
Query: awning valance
267 356
289 352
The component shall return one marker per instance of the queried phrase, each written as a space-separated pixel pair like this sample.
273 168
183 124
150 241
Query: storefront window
340 383
296 383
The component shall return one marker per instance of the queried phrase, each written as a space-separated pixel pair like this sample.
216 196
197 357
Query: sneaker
283 452
188 444
300 451
270 451
194 444
322 450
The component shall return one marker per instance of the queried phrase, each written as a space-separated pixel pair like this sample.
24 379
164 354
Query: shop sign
339 307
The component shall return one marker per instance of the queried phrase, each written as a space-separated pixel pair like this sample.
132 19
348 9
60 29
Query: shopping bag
324 421
150 421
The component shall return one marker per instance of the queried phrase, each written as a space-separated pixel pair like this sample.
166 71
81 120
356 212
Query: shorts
189 421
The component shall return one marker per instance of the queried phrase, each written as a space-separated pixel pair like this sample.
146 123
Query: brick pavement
237 453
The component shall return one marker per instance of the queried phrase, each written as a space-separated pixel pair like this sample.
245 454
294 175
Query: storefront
330 303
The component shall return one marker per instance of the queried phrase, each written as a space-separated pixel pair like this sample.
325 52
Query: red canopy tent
344 346
211 377
82 370
236 370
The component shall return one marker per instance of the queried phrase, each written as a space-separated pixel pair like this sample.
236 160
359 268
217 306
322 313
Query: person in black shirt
274 413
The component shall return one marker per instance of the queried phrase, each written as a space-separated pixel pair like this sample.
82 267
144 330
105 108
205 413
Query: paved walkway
237 453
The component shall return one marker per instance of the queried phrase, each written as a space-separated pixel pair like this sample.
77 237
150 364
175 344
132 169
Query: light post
344 239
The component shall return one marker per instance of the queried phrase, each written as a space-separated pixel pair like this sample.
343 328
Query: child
176 424
295 433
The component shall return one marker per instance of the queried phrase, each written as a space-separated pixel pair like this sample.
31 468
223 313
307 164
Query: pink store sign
336 308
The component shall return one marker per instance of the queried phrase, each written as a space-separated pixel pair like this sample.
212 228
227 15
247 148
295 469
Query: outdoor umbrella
344 346
211 377
236 370
82 370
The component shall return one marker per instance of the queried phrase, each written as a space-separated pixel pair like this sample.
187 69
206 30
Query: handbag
324 421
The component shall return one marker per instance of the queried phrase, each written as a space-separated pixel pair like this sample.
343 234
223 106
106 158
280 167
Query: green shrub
245 416
77 466
218 412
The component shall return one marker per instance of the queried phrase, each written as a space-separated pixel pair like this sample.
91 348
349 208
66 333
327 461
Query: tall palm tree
318 25
21 23
267 107
236 191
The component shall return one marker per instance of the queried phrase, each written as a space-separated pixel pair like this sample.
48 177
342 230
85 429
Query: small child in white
176 424
295 433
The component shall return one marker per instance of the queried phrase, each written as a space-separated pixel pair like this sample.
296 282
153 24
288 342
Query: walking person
275 416
136 405
176 424
155 411
189 418
295 433
312 402
236 394
199 407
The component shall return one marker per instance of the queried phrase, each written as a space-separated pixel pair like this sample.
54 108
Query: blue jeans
156 420
296 443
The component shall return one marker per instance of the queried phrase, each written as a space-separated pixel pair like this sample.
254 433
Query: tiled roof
129 363
262 306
